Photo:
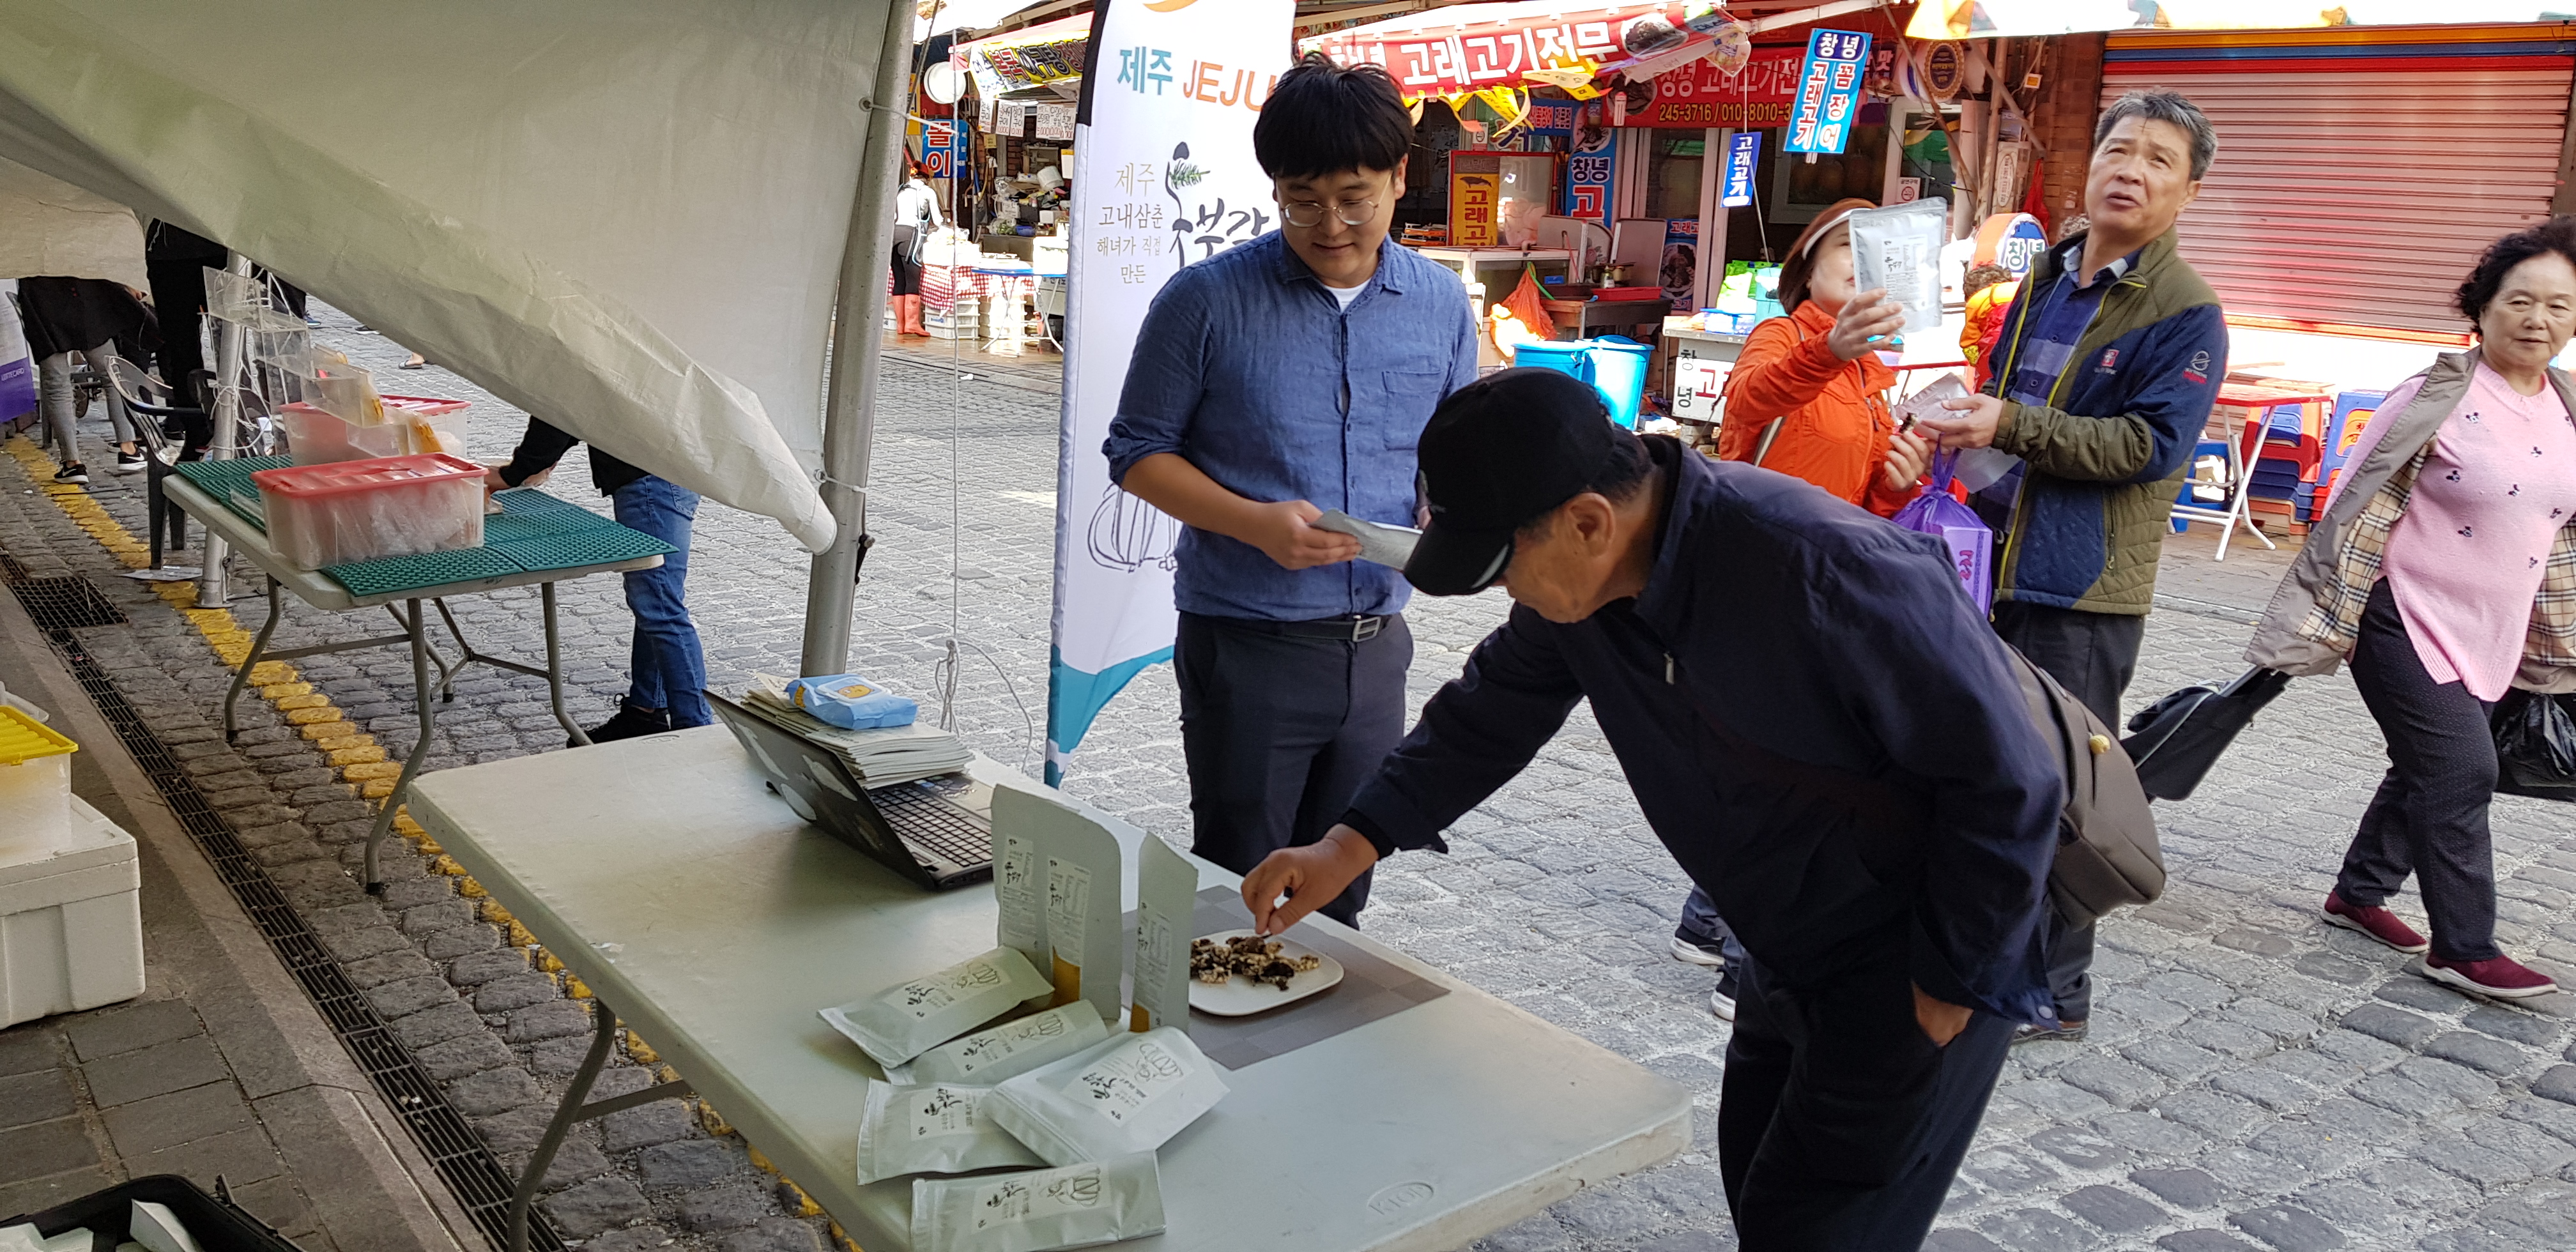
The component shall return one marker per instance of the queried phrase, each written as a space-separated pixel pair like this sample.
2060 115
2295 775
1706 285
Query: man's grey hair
2164 104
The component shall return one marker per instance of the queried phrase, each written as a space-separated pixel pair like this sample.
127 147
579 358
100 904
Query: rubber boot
908 316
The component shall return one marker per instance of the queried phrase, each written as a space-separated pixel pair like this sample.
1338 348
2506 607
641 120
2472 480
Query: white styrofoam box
71 922
954 332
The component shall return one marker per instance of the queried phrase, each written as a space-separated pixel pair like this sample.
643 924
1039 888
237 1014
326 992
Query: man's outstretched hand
1310 876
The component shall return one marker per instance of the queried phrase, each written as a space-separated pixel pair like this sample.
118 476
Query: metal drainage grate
66 603
460 1157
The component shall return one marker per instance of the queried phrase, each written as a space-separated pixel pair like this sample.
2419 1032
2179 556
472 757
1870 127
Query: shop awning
1033 56
1474 47
1455 49
625 216
1980 19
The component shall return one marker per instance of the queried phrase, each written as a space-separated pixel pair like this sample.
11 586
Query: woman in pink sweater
2444 570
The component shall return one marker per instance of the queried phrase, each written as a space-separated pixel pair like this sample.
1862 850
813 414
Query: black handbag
2535 738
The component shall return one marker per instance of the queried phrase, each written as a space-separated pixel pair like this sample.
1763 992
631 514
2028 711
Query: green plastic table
717 923
536 540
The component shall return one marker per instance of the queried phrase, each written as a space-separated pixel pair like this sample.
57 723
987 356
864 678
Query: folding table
536 539
696 906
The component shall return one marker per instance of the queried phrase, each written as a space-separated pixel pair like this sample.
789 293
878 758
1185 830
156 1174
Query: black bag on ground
2535 738
2176 740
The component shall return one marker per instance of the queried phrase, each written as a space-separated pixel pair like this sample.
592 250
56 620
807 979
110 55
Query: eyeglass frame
1339 210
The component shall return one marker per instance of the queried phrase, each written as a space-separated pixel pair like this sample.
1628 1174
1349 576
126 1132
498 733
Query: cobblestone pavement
2254 1079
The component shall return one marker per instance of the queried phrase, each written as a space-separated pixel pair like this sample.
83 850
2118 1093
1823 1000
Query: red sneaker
2374 921
2502 977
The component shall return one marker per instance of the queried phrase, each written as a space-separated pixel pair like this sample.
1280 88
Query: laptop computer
937 832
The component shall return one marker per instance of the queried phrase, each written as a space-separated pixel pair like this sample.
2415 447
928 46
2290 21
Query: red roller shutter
2360 171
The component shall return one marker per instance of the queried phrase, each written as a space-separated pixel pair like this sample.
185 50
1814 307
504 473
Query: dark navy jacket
1824 635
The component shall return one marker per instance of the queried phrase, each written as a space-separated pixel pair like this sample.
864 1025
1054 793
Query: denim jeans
1702 926
670 671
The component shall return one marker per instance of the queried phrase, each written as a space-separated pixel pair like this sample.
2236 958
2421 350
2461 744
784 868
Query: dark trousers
179 300
1280 730
2429 817
2093 656
1840 1125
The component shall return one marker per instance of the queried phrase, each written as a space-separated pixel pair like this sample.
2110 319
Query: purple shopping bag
1971 546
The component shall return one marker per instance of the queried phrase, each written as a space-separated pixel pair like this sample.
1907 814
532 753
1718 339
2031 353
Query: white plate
1241 996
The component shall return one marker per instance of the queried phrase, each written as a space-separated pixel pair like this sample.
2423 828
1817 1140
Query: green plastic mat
516 525
531 500
387 575
583 547
229 482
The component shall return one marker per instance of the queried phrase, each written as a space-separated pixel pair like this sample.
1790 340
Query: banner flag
1163 175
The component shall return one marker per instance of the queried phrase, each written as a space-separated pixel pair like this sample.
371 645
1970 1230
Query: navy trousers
1839 1124
1280 730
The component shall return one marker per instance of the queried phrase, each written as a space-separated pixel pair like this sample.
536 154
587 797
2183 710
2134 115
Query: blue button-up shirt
1249 368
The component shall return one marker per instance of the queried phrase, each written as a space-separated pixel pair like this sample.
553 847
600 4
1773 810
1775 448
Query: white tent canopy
625 216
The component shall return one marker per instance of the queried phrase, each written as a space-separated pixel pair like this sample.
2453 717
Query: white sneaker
1693 954
1722 1000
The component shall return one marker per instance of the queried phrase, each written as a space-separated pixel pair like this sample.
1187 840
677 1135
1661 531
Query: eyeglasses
1307 213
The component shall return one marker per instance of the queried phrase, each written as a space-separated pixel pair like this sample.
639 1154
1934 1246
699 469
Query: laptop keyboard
918 814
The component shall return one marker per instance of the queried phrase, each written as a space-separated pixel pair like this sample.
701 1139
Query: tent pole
213 591
849 420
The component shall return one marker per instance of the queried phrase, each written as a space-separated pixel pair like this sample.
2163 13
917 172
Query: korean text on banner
1743 149
1828 91
1163 175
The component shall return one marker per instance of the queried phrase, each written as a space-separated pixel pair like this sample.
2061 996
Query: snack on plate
1257 959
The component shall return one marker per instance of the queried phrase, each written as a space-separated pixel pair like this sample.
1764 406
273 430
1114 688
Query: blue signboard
1742 149
1828 91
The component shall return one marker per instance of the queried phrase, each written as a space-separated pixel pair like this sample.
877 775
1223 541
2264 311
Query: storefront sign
1701 94
943 149
1743 148
1828 102
1160 180
1945 69
1435 54
1474 198
1588 166
1679 274
1051 52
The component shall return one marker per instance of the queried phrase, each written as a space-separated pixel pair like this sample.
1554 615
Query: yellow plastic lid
24 739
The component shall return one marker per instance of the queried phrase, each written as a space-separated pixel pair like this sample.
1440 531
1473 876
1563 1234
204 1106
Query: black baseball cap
1500 453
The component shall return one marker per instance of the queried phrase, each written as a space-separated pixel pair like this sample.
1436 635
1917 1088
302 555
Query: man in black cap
1818 724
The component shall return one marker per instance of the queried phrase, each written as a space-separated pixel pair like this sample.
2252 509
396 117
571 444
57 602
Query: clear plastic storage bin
35 781
412 425
335 514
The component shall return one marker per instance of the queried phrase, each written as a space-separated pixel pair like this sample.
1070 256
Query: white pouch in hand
1899 248
1130 1094
1073 1207
897 1025
943 1128
1008 1050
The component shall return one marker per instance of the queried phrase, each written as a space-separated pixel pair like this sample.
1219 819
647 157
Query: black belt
1350 628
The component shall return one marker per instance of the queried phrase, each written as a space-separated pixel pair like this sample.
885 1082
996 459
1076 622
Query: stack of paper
881 758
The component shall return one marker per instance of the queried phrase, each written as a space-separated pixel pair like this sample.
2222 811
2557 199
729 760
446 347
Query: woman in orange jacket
1815 374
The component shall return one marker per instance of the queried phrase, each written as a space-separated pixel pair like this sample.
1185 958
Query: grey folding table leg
603 1025
260 651
552 673
421 695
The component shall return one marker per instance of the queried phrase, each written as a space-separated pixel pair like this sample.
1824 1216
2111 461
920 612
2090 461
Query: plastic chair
170 422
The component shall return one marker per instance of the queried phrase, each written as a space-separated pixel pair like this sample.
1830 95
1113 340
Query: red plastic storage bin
349 511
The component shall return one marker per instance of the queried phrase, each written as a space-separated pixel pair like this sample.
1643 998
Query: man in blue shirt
1286 377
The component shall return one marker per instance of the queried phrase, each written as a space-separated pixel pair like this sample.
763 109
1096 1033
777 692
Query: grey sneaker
1697 954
